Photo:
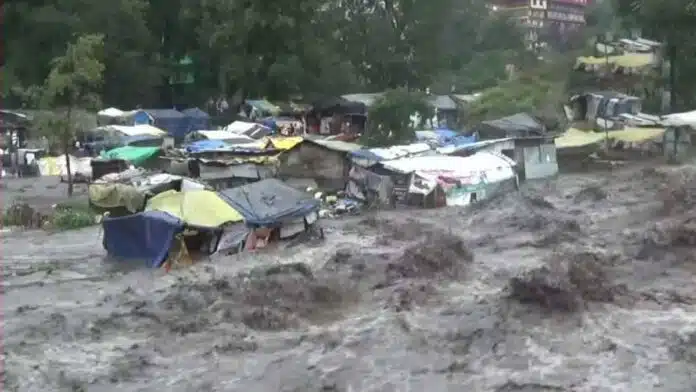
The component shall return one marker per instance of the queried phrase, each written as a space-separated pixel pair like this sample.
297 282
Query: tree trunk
66 151
672 58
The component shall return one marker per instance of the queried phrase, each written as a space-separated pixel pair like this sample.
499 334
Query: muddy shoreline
583 283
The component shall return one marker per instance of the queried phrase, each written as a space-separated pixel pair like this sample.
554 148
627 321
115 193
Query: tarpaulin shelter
197 119
270 203
517 125
197 208
174 122
146 236
253 130
135 155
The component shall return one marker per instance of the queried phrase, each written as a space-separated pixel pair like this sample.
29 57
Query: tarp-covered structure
372 156
197 208
270 203
127 192
197 119
684 119
517 125
174 122
146 236
253 130
461 180
135 155
56 166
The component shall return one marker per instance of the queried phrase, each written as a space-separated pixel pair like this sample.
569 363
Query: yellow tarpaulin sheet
626 60
285 143
199 208
577 138
636 135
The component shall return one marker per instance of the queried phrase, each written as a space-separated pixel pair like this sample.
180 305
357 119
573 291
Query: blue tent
197 119
141 117
175 123
145 236
269 202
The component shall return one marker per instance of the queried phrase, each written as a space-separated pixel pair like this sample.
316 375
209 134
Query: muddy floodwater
584 283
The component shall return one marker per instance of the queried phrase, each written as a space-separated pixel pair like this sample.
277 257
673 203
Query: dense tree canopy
159 53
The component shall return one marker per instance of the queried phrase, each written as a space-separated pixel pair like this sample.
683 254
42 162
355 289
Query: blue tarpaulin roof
197 119
269 202
145 236
174 122
206 145
195 112
442 137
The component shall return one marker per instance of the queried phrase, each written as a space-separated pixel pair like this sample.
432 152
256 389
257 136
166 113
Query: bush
70 219
65 216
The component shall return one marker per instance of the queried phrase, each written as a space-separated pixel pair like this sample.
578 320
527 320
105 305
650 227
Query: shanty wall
327 167
540 161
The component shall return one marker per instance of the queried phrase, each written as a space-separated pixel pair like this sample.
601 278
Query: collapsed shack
176 226
534 149
437 181
271 210
371 182
180 226
127 192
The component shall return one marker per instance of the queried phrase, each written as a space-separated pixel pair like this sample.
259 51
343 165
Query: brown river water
585 283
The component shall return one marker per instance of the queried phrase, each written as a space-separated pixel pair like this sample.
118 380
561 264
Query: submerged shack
533 148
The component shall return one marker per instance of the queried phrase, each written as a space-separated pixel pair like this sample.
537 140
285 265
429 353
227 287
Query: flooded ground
584 283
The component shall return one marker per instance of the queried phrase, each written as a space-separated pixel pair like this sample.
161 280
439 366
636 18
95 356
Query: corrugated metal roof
336 145
443 102
467 98
366 99
470 146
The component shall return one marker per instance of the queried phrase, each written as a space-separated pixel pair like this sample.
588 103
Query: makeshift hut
197 119
127 192
446 180
145 157
517 125
227 137
110 116
187 223
325 162
112 136
272 209
446 110
335 115
173 122
146 237
253 130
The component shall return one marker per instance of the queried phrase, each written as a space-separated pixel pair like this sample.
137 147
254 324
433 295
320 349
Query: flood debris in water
565 282
441 254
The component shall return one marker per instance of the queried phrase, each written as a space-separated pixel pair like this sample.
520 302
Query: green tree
540 93
71 85
673 23
389 118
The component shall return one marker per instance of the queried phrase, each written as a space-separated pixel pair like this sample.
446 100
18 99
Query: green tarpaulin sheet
135 155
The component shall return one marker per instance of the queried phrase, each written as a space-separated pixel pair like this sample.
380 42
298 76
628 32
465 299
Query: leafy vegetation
158 53
65 216
390 117
69 86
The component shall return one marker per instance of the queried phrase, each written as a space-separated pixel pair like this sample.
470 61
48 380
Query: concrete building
545 20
